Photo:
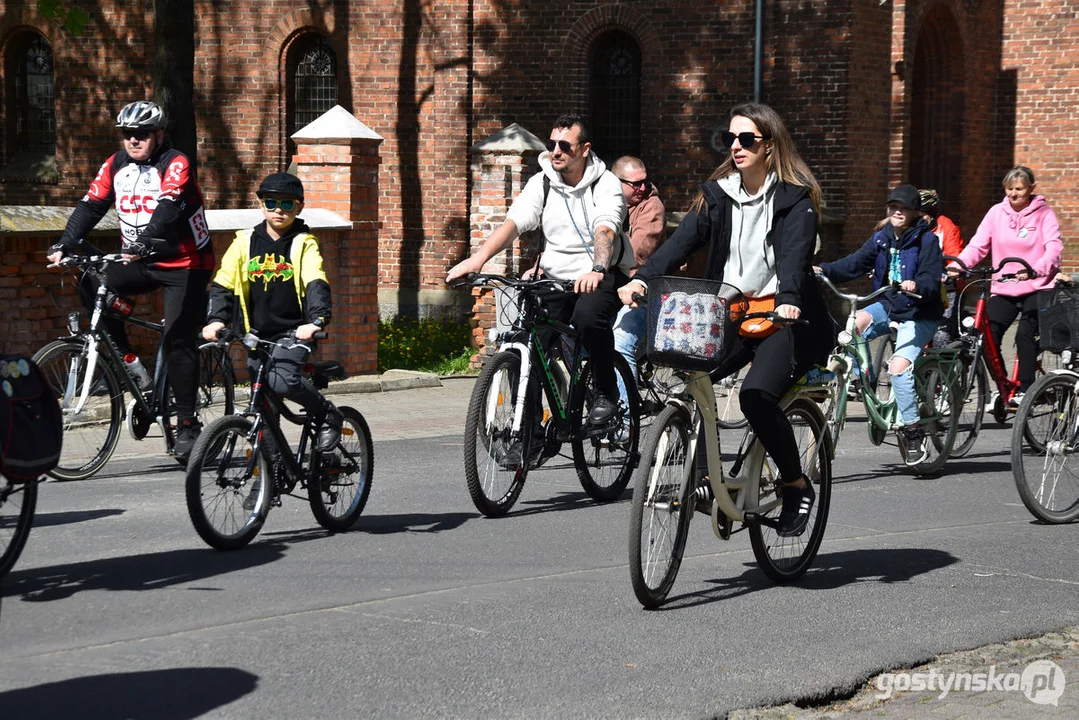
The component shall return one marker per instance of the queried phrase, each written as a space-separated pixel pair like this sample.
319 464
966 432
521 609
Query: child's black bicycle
89 376
242 464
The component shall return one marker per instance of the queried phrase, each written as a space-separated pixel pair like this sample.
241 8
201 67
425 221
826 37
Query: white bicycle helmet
141 115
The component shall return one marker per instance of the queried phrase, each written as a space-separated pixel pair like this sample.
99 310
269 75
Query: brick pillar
337 158
501 165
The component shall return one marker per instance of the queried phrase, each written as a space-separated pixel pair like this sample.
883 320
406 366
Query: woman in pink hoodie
1021 225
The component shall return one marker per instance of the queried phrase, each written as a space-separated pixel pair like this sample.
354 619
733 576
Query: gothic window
614 94
312 75
32 108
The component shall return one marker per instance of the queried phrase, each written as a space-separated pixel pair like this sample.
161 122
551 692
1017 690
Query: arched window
614 95
312 74
32 107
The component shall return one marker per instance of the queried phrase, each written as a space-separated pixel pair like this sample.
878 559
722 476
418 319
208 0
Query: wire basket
1058 318
691 322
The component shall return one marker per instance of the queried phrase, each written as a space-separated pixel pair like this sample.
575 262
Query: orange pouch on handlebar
759 327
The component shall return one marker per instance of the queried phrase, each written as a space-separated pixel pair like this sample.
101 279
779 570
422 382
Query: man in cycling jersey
166 242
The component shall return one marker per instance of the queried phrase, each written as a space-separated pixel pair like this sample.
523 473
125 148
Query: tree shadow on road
177 694
829 572
133 572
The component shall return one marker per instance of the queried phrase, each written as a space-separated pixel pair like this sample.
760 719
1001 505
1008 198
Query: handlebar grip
638 298
320 335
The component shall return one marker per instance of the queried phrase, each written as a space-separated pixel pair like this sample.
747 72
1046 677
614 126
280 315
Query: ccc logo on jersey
136 203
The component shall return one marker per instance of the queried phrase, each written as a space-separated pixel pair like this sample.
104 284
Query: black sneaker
603 409
187 432
915 444
797 502
330 431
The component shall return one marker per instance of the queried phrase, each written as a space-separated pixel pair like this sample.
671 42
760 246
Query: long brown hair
784 158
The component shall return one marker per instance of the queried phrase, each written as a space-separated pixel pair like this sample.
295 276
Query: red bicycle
981 357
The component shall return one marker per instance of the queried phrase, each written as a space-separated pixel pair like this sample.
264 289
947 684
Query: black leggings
185 300
1002 312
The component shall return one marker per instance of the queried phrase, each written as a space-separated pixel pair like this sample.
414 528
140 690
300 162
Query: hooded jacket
571 217
920 260
1032 234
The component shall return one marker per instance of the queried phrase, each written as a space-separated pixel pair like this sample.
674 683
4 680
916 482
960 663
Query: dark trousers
592 314
1002 312
285 376
185 301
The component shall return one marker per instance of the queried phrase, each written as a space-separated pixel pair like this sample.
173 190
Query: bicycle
982 359
234 476
509 431
936 382
89 376
17 503
667 492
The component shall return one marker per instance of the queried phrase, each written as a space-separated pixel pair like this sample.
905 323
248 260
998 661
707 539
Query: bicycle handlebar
982 273
855 298
251 340
481 279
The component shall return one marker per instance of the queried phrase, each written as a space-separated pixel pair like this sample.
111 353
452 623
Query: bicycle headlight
73 323
968 322
492 335
844 337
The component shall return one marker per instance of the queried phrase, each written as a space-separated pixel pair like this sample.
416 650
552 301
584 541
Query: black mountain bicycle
89 376
235 475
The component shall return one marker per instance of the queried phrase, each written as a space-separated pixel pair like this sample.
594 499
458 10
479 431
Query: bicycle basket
1058 318
691 322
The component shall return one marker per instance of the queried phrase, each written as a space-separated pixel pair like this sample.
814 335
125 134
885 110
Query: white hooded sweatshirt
572 217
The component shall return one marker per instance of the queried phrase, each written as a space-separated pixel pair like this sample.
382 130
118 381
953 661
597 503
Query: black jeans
185 300
1002 312
285 376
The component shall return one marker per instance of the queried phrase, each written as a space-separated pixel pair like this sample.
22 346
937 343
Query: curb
386 382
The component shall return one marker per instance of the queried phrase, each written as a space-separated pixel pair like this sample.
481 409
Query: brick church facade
941 93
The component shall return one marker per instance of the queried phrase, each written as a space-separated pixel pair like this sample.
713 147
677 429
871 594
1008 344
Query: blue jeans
910 338
629 328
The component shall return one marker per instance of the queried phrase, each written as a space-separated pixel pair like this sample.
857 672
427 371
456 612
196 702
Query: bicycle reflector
73 319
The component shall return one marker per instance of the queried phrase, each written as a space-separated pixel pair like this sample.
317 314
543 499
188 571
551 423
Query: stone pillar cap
336 124
512 138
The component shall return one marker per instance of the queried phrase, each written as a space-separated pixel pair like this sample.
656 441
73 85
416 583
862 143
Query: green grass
427 345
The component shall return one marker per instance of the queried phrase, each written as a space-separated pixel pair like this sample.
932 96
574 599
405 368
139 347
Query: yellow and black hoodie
280 284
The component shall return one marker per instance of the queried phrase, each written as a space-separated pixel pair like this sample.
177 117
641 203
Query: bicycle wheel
340 494
17 503
1048 484
939 404
496 462
974 394
228 488
728 406
91 431
216 394
605 460
785 559
880 377
655 384
660 514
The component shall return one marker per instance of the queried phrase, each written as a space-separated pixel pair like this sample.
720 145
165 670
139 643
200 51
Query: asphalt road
427 609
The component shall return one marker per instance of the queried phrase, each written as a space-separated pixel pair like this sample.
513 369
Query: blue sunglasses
287 204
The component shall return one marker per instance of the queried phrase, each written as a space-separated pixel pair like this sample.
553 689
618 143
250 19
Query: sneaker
915 444
330 431
602 410
187 432
1016 400
797 502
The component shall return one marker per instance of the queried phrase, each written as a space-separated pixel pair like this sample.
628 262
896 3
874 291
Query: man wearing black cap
275 271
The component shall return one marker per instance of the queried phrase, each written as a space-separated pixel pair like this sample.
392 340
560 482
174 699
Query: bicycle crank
137 421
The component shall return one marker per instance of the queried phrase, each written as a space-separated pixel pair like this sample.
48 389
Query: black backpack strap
591 187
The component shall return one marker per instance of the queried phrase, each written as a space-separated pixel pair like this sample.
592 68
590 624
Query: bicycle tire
785 559
605 461
215 395
496 464
227 509
881 378
17 504
939 405
659 515
974 396
1048 487
728 402
337 503
90 438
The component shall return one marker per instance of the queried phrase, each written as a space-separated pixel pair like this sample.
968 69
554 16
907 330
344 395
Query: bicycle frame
985 346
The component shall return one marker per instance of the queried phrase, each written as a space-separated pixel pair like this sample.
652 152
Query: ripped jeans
911 337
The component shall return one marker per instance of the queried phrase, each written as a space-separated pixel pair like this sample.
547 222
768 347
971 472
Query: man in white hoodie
580 207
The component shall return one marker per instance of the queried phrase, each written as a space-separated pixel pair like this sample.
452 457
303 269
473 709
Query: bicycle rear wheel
728 404
604 460
496 462
974 394
1044 441
92 431
881 379
939 404
216 395
228 487
339 495
785 559
661 508
17 503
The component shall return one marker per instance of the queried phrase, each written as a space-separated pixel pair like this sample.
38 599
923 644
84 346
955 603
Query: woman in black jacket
758 215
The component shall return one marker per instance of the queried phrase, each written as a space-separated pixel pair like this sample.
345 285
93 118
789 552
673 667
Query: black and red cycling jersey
158 198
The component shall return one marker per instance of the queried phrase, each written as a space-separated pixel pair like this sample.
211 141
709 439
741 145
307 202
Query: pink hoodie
1032 234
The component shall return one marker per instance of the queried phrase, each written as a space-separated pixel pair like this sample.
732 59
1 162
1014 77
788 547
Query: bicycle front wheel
785 559
728 404
939 403
1044 439
17 503
496 462
881 379
229 484
974 394
91 428
216 394
662 507
605 458
339 495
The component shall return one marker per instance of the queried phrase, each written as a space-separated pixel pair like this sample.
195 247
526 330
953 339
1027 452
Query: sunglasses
288 204
636 184
746 139
564 145
139 135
